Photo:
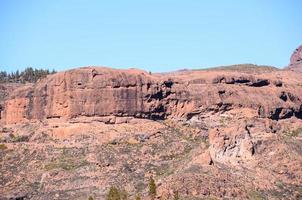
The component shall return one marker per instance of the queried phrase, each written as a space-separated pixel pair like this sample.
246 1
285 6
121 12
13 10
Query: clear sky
156 35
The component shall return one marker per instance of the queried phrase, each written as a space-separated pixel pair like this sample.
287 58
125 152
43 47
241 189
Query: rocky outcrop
246 80
231 144
101 92
296 60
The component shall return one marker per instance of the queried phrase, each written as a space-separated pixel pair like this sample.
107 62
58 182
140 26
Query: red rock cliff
98 91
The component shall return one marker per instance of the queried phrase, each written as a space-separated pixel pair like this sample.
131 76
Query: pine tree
114 194
137 197
152 188
29 75
176 195
17 76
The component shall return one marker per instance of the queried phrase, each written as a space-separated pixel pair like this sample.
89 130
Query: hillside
224 133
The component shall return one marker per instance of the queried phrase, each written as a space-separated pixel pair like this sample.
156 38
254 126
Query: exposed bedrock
231 144
99 91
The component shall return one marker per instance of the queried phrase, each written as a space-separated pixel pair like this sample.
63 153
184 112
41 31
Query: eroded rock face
5 90
231 144
95 91
88 92
296 60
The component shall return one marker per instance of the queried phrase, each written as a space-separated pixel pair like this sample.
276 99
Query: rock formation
224 133
296 60
94 91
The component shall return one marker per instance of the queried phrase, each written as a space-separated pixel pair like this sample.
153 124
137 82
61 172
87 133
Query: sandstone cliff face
84 92
95 91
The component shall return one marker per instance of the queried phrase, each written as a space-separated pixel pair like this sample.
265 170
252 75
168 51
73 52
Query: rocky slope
224 133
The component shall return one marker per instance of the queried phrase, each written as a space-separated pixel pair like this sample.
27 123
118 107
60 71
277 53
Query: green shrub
18 138
90 198
294 133
297 132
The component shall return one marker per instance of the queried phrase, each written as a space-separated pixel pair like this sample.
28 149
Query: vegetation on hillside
29 75
116 193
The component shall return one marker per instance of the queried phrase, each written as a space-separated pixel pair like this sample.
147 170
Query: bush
294 133
18 138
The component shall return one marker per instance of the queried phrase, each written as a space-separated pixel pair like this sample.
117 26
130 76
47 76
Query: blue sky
155 35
